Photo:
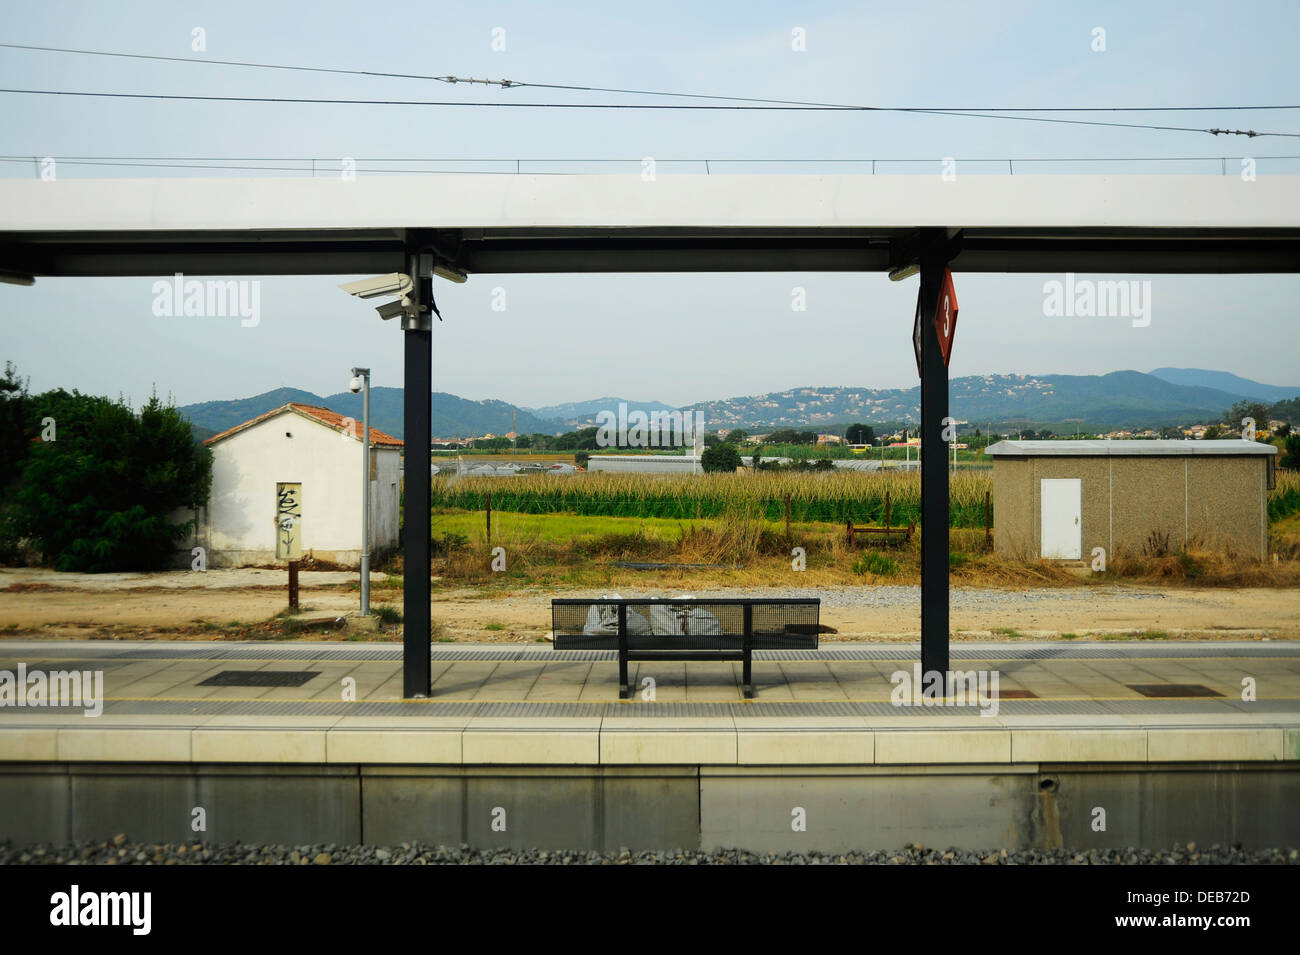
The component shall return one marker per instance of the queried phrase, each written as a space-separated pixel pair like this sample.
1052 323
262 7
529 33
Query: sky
666 337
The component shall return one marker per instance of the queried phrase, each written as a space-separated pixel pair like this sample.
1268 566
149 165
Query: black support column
417 390
934 473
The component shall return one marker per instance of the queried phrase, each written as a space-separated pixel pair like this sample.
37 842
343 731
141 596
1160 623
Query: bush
449 542
720 457
874 563
1291 452
98 497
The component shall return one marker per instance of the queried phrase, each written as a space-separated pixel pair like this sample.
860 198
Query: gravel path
889 596
121 852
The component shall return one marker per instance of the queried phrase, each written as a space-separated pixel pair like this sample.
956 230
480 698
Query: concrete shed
1061 499
307 445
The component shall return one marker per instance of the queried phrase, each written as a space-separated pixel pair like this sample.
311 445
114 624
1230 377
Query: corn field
831 497
1284 499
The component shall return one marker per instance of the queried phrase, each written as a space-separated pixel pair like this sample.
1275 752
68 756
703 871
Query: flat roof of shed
1135 448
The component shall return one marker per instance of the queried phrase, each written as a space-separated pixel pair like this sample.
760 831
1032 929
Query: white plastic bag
683 620
602 620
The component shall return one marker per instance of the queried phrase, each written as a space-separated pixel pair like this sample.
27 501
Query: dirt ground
44 603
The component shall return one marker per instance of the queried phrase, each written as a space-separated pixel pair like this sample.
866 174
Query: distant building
1061 499
306 445
644 464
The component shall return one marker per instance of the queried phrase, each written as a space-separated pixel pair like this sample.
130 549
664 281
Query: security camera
394 309
394 283
355 386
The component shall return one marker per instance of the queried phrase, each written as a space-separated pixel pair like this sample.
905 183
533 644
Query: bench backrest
723 623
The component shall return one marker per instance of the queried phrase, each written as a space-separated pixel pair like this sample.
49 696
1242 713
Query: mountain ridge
1119 399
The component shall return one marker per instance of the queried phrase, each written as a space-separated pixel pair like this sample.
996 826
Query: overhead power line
177 97
794 160
508 84
324 165
752 103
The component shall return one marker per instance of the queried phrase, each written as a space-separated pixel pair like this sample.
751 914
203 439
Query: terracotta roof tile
330 419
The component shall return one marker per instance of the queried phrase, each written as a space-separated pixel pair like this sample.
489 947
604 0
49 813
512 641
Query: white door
1062 518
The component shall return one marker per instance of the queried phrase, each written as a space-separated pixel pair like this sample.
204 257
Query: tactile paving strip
354 651
641 710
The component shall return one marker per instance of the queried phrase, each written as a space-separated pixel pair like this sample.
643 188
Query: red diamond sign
945 317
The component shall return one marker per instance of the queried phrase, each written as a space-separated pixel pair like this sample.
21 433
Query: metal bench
677 629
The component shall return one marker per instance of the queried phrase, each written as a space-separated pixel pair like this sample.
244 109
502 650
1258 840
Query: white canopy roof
561 223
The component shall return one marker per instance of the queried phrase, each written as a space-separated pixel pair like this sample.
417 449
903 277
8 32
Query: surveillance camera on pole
361 382
394 283
401 285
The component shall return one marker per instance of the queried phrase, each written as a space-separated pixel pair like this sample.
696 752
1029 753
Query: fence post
787 516
489 517
887 508
988 524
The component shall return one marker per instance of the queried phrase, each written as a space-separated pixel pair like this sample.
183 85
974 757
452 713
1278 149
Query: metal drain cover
260 678
1167 690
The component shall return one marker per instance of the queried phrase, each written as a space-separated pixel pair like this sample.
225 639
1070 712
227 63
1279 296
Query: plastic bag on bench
683 619
602 620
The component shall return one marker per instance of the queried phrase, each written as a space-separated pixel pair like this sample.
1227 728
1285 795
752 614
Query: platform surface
532 705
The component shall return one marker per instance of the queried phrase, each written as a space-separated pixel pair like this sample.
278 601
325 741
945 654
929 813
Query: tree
14 434
737 436
1291 459
790 436
99 496
580 458
859 434
1213 433
1248 409
720 457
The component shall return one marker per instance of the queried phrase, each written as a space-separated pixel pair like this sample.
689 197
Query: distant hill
218 416
577 414
452 416
1119 399
1226 381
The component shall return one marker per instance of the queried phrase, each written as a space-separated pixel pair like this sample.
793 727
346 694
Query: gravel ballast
120 851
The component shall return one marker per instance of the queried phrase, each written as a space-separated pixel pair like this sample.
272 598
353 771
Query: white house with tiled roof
307 445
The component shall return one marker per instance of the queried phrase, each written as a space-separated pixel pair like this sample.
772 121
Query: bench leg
747 674
624 689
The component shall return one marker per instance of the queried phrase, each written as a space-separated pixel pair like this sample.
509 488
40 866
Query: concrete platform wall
649 807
